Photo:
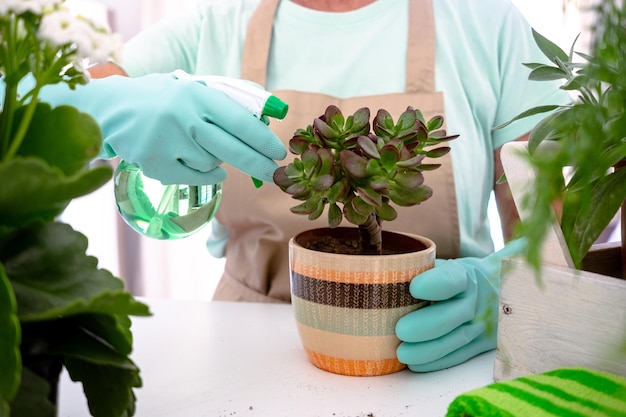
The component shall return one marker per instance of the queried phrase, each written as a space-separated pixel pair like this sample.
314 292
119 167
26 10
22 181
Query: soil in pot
345 240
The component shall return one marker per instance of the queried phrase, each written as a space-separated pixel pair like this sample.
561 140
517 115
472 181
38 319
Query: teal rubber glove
178 131
462 321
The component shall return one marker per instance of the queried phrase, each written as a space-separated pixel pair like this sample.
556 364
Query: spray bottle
168 212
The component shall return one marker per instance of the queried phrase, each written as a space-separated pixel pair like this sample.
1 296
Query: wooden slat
520 176
568 318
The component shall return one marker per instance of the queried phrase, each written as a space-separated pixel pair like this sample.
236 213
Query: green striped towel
566 392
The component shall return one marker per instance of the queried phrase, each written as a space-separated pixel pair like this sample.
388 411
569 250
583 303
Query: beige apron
259 220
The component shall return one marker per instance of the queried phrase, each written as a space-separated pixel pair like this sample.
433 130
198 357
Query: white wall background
183 269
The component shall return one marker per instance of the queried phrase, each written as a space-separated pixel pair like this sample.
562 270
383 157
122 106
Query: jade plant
360 168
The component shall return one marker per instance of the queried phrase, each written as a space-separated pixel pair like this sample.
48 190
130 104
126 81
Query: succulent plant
359 170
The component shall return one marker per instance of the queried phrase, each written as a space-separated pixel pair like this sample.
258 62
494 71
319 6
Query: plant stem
6 119
371 234
23 128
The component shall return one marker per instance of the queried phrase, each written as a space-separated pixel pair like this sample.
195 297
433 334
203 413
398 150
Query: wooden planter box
566 317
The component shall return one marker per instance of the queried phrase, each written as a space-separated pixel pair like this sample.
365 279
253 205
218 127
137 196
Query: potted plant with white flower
57 308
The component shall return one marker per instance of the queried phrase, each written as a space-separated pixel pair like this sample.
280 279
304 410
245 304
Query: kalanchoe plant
58 309
358 170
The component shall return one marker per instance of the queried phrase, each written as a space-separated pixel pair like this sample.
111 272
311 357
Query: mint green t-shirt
480 48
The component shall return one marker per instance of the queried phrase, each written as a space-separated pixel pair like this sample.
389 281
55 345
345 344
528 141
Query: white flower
58 28
22 6
62 28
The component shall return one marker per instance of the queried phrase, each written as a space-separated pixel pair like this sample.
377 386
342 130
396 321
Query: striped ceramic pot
346 306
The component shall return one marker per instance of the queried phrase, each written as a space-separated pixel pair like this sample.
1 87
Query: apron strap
420 71
257 44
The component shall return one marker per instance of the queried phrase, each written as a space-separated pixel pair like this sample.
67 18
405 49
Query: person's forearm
106 70
509 217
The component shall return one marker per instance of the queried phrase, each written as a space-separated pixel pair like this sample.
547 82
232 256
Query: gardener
312 53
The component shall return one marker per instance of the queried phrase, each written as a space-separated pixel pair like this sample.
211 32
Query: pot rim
430 244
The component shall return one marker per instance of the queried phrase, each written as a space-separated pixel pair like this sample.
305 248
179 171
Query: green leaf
369 147
547 73
32 397
383 123
529 112
52 276
297 145
354 165
324 129
294 170
418 115
549 48
533 65
429 167
373 168
63 137
388 157
307 207
10 360
546 129
326 160
318 211
582 223
109 389
90 343
386 212
411 162
361 119
435 123
38 191
322 183
333 116
334 215
410 180
575 83
370 196
281 178
298 190
380 185
362 207
68 337
405 197
338 191
311 161
352 216
113 329
406 121
438 152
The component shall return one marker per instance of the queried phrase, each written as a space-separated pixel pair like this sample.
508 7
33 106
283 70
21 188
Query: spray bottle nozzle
275 107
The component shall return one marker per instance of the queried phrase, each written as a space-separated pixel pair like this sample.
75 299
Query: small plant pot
347 306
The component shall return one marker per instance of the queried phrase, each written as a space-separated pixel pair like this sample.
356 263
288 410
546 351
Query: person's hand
178 131
462 321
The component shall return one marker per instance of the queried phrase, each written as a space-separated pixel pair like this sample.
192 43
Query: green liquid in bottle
164 212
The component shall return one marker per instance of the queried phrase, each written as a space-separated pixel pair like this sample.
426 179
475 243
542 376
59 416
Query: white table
245 359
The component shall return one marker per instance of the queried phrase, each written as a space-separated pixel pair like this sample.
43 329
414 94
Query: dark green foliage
56 305
591 137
